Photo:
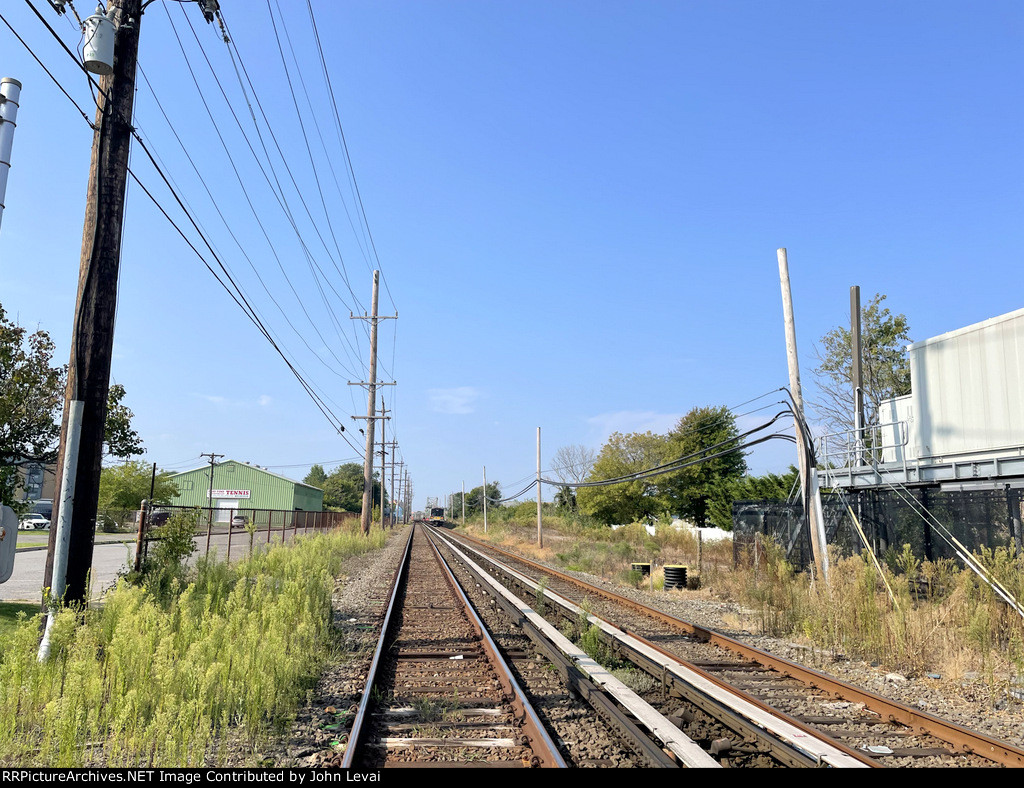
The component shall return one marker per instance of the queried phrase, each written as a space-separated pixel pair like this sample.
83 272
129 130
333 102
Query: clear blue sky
576 208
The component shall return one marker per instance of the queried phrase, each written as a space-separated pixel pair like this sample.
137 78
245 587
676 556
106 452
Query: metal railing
841 453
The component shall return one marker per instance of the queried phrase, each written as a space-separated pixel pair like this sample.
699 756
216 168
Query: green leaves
886 367
31 397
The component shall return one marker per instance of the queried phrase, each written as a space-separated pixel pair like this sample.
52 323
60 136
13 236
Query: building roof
249 465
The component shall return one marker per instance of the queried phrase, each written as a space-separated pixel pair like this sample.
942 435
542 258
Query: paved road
111 558
26 583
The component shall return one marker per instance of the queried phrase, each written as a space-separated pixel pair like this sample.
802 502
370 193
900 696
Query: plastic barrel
643 569
675 577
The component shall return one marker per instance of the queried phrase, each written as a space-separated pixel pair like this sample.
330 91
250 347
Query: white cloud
264 400
453 401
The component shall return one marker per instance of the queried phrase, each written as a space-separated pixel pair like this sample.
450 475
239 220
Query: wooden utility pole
92 340
371 407
383 458
808 475
857 373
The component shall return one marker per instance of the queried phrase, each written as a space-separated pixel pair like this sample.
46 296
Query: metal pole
10 95
810 509
463 504
485 499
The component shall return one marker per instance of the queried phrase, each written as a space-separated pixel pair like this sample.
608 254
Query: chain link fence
238 531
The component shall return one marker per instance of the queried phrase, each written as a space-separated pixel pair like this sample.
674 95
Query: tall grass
944 618
146 680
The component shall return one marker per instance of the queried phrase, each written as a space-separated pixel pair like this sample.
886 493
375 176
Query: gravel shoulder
985 703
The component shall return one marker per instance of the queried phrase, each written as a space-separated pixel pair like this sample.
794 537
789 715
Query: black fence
889 520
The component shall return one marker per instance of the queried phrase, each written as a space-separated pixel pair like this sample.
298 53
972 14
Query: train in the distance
437 514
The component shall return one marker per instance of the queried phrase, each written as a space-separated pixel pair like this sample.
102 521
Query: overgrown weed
174 658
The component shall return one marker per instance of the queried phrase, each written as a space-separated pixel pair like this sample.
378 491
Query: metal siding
267 491
968 388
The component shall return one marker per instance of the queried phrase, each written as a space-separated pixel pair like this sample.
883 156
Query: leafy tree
769 487
475 501
120 439
627 501
690 491
30 402
124 486
565 498
316 476
343 488
886 367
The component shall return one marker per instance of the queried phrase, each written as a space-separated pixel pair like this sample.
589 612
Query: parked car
34 521
107 524
239 521
158 517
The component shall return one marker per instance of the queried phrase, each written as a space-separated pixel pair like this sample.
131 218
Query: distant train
437 514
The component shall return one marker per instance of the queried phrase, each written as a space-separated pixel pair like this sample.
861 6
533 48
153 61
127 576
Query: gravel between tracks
973 702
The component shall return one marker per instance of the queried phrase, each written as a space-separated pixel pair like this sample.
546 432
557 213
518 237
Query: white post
10 93
63 538
817 537
540 533
485 499
463 504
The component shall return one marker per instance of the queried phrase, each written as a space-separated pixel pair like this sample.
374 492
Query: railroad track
438 691
784 711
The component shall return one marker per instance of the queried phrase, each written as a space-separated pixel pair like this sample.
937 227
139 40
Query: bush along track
164 673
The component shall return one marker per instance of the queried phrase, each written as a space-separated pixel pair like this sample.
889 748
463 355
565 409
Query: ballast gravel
992 705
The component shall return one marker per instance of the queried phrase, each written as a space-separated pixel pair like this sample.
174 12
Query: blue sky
576 208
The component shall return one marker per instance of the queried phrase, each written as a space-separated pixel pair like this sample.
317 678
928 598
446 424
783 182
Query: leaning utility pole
808 475
92 341
371 407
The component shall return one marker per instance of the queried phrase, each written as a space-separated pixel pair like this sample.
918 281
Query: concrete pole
10 95
485 499
463 504
371 411
540 532
810 509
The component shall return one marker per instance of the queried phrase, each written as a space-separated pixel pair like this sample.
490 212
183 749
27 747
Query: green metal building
240 486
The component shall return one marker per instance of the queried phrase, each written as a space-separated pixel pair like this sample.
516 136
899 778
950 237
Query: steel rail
545 751
577 680
682 747
963 739
358 726
787 739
